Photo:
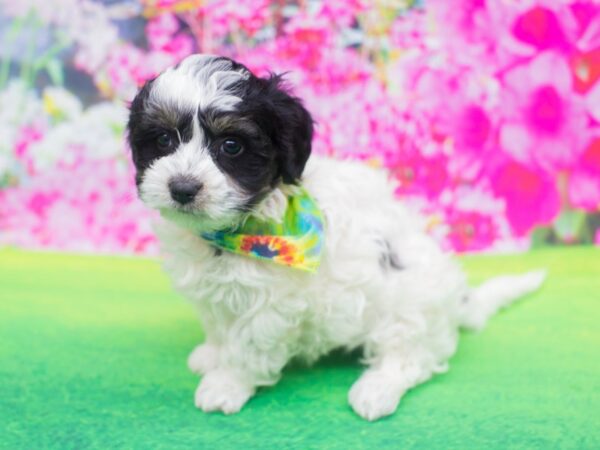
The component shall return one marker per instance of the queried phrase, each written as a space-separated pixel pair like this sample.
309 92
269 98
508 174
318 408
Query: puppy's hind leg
379 389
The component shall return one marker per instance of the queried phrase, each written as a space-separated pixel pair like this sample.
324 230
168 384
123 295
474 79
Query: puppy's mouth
189 211
195 219
185 209
186 217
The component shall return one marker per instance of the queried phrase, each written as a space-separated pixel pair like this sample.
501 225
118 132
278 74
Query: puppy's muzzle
183 189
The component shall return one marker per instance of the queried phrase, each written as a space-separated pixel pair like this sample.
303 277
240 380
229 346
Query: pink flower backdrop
486 112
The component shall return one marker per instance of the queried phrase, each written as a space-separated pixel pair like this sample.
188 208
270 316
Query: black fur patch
274 127
146 124
276 132
285 121
389 259
255 168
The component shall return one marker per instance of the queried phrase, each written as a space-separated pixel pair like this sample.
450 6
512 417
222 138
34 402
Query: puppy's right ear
135 127
137 104
136 111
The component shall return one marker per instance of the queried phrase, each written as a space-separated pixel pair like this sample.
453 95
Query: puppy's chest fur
373 250
326 311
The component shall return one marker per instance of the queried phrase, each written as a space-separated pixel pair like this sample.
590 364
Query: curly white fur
258 315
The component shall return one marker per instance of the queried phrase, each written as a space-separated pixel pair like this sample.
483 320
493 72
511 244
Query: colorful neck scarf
297 241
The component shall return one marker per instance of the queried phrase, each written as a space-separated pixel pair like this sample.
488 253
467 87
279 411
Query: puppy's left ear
293 134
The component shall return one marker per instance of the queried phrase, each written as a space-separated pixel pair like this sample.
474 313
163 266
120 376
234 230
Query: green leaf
9 38
569 225
540 237
55 71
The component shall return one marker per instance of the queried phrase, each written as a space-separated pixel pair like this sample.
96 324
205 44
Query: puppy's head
209 140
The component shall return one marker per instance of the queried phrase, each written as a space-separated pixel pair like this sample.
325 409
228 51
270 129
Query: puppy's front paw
221 390
203 359
374 395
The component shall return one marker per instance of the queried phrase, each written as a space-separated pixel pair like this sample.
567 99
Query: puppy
214 147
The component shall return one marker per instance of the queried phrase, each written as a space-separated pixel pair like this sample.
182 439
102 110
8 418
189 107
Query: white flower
98 133
54 146
18 106
105 124
61 103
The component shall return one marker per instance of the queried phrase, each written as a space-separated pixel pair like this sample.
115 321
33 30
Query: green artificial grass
93 352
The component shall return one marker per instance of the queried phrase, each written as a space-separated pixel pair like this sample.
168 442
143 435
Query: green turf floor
93 350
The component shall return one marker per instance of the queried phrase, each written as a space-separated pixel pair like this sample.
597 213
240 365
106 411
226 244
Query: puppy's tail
485 300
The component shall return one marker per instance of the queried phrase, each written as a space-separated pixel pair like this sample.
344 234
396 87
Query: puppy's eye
164 141
231 147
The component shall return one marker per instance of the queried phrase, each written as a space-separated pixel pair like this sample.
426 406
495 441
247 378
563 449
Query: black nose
183 190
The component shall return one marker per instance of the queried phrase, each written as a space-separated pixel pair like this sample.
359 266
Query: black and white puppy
212 143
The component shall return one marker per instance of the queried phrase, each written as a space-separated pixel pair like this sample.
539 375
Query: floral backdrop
486 112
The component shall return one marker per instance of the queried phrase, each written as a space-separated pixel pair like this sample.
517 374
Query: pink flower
584 190
463 16
408 31
459 120
470 231
225 16
305 40
418 175
29 134
585 67
568 27
160 29
474 145
478 26
584 181
342 12
592 101
590 160
85 205
584 30
124 67
540 28
531 196
163 37
473 127
545 123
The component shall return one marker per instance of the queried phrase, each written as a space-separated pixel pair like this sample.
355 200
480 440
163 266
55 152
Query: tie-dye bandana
295 242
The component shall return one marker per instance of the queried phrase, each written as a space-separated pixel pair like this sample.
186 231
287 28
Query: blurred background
486 112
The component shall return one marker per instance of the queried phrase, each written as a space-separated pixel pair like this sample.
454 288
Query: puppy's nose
183 190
